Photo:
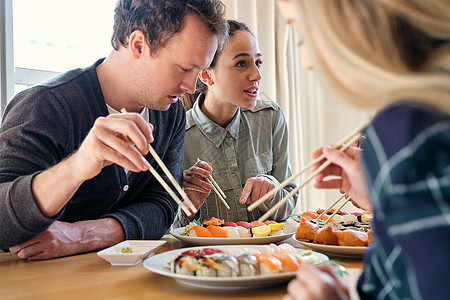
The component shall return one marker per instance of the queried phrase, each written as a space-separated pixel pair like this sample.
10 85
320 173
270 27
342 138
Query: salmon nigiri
289 262
268 264
217 231
199 231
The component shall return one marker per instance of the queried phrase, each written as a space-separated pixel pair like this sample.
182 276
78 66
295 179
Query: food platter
159 264
229 241
347 251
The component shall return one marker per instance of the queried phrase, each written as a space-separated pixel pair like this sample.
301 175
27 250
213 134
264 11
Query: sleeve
30 141
281 169
151 215
411 196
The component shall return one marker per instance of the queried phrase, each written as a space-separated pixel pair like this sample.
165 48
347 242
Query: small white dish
141 249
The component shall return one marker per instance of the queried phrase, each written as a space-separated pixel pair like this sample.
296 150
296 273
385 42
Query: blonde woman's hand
316 283
347 168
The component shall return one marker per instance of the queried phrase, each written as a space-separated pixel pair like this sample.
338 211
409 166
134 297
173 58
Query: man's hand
105 144
63 239
255 188
195 183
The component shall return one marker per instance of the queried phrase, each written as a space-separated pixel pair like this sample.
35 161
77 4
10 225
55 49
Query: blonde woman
392 56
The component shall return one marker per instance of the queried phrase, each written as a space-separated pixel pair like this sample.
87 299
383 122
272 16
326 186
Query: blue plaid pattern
406 159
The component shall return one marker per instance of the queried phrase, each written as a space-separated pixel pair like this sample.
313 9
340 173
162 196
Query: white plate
141 249
229 241
160 264
335 250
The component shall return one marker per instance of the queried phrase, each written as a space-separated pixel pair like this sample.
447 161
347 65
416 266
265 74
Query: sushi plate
229 241
160 264
347 251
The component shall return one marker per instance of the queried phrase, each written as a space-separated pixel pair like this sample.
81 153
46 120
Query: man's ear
137 43
205 77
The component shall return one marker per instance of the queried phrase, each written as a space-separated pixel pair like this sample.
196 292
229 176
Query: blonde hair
389 50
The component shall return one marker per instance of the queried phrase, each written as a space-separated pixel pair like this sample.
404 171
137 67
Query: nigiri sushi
229 266
199 231
268 264
248 264
217 231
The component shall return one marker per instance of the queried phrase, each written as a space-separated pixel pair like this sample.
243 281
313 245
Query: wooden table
88 276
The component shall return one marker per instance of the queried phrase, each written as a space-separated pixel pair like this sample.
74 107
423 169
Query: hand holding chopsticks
350 140
187 205
217 189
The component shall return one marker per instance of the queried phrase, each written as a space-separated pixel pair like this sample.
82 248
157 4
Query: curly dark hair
159 20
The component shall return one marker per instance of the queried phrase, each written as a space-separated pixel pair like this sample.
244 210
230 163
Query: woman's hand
255 188
316 283
347 167
195 183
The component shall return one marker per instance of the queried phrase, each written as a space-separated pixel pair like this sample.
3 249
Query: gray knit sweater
45 124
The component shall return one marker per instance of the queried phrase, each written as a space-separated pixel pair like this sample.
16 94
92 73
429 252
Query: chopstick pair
348 140
217 189
332 205
186 205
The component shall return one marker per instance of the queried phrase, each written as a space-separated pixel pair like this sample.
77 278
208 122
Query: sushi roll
208 267
243 232
184 265
229 265
248 265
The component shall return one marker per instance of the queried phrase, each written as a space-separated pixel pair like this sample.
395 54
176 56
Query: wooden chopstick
330 207
320 169
187 202
345 202
214 183
217 189
304 169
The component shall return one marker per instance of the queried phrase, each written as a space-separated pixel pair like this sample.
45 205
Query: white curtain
314 119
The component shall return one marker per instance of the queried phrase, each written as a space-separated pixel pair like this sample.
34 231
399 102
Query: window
52 36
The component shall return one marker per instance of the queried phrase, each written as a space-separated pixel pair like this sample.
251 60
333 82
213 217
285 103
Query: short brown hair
159 20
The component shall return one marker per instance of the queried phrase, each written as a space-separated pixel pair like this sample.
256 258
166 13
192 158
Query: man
69 180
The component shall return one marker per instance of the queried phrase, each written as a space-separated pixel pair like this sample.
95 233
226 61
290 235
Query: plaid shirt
406 159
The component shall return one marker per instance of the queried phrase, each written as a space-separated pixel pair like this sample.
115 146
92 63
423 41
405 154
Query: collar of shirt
212 131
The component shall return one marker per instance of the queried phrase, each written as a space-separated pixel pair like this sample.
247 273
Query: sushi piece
268 264
184 265
287 248
256 223
326 236
243 232
306 230
308 215
232 232
248 264
351 237
232 224
208 267
337 219
270 222
229 265
270 249
199 231
276 229
213 221
216 231
349 218
260 231
243 224
289 262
